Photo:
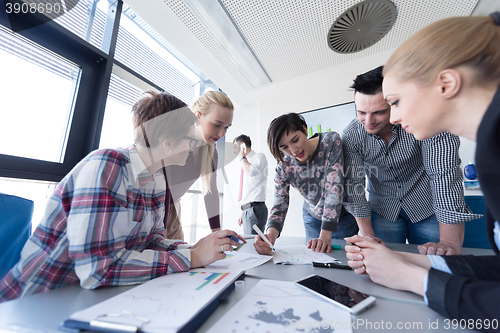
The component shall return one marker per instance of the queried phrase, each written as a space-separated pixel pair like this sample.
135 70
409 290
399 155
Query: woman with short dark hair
314 167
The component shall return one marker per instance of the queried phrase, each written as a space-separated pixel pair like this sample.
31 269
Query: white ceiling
288 37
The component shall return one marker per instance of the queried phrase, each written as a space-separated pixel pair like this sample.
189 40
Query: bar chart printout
168 302
210 278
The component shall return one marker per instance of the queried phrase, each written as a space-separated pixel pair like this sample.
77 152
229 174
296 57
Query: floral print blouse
319 181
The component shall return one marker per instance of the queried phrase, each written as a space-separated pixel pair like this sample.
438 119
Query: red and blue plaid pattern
103 226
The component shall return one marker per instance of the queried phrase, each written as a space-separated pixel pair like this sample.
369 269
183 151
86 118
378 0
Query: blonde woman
446 78
214 111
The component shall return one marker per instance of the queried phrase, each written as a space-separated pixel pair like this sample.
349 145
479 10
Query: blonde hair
473 41
202 105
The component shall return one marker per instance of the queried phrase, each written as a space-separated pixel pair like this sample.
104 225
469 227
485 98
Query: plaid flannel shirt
103 226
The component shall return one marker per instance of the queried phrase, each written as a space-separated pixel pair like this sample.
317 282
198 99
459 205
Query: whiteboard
334 118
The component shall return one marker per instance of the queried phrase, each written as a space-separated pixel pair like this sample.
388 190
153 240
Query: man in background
253 185
415 187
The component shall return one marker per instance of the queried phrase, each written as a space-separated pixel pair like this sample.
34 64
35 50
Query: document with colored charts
240 260
282 306
299 255
166 304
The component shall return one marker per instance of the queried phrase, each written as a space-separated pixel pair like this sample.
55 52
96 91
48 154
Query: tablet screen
335 291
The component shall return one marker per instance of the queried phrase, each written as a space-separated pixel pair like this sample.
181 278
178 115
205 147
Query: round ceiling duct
361 26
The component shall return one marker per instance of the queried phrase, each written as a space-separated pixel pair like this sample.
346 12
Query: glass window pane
91 20
143 50
38 93
117 128
194 218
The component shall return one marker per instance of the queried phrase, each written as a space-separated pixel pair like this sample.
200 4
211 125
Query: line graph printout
281 306
240 260
299 255
168 302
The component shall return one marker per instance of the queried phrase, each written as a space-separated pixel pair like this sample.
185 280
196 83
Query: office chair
15 229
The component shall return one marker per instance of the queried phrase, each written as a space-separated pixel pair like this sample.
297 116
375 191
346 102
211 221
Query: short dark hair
245 139
291 122
369 83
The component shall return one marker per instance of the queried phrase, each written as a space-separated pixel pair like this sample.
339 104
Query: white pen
256 228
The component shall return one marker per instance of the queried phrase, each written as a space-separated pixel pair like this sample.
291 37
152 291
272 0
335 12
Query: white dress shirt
255 182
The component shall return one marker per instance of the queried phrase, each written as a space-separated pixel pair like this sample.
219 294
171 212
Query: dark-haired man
415 187
253 184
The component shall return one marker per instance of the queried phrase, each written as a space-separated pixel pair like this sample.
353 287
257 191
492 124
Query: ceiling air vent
361 26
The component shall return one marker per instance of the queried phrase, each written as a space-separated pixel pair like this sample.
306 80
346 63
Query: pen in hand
237 240
256 228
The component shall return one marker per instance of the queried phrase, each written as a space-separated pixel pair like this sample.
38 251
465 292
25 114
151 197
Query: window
144 51
117 129
57 87
91 20
70 90
36 116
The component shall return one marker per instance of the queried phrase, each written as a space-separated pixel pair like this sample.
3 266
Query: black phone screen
338 292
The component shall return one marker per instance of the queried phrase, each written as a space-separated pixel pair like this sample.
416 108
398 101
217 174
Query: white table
46 311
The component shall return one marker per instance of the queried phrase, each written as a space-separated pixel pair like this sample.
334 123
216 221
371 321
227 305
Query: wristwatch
242 157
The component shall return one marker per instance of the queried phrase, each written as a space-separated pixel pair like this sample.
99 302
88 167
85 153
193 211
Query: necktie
240 193
168 199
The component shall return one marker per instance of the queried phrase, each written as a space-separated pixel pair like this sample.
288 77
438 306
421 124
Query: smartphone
243 147
340 295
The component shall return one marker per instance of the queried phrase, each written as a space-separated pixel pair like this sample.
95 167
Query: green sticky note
336 247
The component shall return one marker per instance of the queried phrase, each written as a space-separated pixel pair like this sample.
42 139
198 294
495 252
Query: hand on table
372 236
261 246
354 255
212 248
320 244
440 249
383 265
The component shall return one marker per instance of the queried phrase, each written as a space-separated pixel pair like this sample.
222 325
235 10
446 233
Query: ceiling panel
290 36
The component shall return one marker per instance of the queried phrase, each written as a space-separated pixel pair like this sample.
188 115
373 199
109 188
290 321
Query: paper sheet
299 255
240 260
281 306
168 302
